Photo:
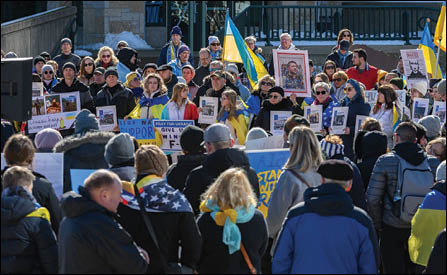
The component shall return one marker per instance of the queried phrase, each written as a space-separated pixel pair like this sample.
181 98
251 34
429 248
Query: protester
419 90
355 100
219 83
167 216
345 34
233 116
322 92
433 126
45 140
254 134
19 151
133 81
48 78
441 90
149 68
233 70
399 68
86 72
257 98
121 44
38 63
342 57
28 243
99 81
276 102
169 78
339 82
291 122
181 60
380 78
437 148
179 107
214 47
327 207
285 44
66 56
45 56
71 84
188 74
84 149
362 71
299 173
55 67
329 69
170 50
90 238
203 69
436 262
227 241
221 156
397 83
421 134
332 148
106 58
128 62
115 93
388 77
251 43
381 193
119 155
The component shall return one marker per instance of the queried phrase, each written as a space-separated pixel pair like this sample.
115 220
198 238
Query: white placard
170 131
37 88
414 66
402 97
51 165
277 121
439 110
292 72
420 108
339 120
358 121
314 113
272 142
57 111
209 106
107 117
371 97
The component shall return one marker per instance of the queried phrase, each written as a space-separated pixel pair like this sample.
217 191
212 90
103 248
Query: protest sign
292 72
50 165
439 110
78 176
314 113
141 129
268 165
420 108
414 66
358 121
277 121
402 97
107 117
57 111
37 88
272 142
209 106
339 120
371 97
170 131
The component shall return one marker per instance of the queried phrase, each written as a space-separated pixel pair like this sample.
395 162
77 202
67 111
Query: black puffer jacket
383 182
28 242
178 172
374 144
61 59
76 86
263 118
119 96
203 176
91 241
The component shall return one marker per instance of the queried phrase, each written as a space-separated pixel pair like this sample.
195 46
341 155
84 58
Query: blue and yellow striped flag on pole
236 50
440 29
427 46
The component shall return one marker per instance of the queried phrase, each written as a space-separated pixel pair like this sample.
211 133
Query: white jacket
385 118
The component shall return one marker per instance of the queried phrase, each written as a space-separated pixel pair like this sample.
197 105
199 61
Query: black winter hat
66 40
38 59
45 55
374 144
191 139
111 71
399 82
150 65
164 68
69 65
336 169
276 89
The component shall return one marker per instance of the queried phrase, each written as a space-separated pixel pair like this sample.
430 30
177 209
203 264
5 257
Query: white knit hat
421 86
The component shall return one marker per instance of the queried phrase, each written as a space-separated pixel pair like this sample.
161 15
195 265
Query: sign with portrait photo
107 117
37 88
57 111
292 72
439 110
277 121
420 108
339 120
209 106
314 113
414 66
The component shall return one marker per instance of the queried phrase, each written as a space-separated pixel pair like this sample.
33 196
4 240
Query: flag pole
439 50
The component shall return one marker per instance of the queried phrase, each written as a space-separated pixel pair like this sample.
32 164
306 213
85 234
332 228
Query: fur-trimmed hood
75 141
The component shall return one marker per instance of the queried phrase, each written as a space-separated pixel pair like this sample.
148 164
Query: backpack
413 183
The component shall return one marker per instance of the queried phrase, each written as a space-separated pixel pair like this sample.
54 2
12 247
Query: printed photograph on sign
209 107
68 103
414 66
107 117
38 106
420 107
439 110
339 119
313 113
371 97
277 121
358 121
53 104
292 72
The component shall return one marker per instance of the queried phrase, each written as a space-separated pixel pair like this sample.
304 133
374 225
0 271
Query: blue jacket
163 58
122 71
306 245
245 93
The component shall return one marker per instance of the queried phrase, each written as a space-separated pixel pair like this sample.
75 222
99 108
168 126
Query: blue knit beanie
176 30
85 121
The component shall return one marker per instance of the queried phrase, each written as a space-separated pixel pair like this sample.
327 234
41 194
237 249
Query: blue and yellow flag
427 46
440 29
396 117
236 50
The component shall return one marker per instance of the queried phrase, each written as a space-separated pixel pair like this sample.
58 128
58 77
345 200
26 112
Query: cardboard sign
170 131
420 108
209 107
141 129
106 117
339 120
314 114
439 110
277 121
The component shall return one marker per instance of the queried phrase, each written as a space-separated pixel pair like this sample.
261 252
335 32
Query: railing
324 22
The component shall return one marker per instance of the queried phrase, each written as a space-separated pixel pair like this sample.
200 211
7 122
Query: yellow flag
440 29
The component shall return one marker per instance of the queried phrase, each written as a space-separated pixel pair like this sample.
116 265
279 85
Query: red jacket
191 112
368 77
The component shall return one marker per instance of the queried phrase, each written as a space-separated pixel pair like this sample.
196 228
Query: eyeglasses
88 64
48 72
215 44
320 92
349 89
330 67
338 79
274 96
104 56
266 83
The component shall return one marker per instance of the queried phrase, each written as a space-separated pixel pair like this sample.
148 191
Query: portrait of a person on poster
292 72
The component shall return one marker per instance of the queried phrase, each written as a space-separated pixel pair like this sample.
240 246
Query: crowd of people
371 201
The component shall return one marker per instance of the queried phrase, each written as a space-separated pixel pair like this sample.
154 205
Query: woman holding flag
236 119
386 111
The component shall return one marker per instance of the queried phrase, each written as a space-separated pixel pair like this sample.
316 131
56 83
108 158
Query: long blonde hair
176 94
305 151
161 85
231 189
231 95
112 53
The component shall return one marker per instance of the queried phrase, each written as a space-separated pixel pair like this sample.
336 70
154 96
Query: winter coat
436 262
254 102
178 172
200 178
207 90
61 59
163 57
368 77
187 111
86 80
339 93
172 220
426 224
76 86
201 73
50 85
170 84
124 66
28 243
374 144
176 66
334 56
83 152
245 93
215 256
357 106
95 88
263 118
350 248
287 193
383 182
125 172
385 118
92 241
122 70
119 96
105 65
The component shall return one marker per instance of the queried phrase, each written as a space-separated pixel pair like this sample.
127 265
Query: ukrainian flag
428 48
236 50
396 117
440 29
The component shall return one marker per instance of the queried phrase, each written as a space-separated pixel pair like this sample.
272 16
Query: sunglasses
215 44
330 67
346 35
105 56
266 83
320 92
349 89
48 72
274 96
338 79
88 64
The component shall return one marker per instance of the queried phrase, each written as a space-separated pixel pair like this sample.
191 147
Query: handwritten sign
141 129
170 131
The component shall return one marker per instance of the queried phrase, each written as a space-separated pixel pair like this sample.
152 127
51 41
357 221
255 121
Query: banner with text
141 129
170 131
